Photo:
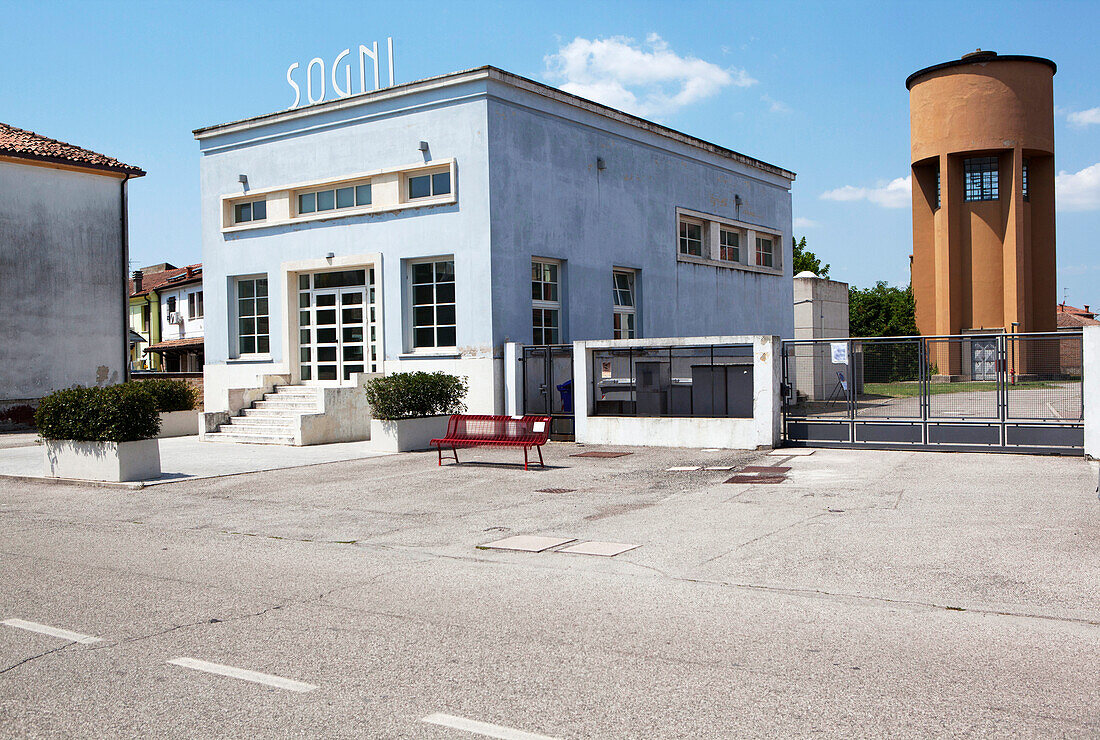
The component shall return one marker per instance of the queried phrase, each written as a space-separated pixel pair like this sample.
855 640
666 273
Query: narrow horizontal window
254 210
425 186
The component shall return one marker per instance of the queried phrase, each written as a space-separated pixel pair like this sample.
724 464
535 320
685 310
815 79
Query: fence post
1090 388
513 379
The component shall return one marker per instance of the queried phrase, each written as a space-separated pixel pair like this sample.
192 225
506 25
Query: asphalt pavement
867 593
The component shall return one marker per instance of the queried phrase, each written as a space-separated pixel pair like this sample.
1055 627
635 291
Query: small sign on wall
605 369
840 352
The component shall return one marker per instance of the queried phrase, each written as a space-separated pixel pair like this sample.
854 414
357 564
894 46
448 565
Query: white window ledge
437 200
728 265
447 354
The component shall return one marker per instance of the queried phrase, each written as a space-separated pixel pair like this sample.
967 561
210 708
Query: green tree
881 311
804 259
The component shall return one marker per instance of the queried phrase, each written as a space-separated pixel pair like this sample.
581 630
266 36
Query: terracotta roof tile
16 142
176 344
1067 320
176 276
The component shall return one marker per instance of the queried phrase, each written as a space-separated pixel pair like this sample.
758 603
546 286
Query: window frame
976 186
543 306
683 221
431 174
412 305
770 252
1026 191
251 203
722 246
353 185
620 312
194 305
238 281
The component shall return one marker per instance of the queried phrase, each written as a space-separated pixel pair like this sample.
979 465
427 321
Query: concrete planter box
105 461
178 424
404 435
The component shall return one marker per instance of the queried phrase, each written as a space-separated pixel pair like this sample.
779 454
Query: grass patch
912 388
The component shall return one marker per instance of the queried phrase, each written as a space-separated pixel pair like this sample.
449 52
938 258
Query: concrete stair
273 420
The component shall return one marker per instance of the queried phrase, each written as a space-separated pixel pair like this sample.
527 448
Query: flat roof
494 73
978 57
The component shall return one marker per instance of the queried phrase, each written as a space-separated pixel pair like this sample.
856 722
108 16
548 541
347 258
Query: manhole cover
556 490
602 454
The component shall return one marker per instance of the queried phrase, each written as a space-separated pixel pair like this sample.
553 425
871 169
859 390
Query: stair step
303 405
297 390
278 430
253 420
274 413
259 439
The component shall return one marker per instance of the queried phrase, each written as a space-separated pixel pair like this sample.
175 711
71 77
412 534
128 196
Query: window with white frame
351 195
691 237
545 302
765 255
426 186
194 305
625 305
433 304
253 332
729 245
253 210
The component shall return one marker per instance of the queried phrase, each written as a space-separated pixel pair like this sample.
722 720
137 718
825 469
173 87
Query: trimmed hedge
414 395
116 413
171 394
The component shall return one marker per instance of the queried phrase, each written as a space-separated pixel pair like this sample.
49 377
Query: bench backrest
531 429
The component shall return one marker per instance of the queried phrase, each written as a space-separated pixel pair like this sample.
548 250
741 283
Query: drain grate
556 490
757 479
602 454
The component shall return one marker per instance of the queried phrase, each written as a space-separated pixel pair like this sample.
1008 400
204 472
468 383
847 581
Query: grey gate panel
548 386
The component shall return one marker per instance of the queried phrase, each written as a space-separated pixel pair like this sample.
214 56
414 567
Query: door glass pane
326 299
326 317
326 354
353 316
349 369
353 334
326 372
326 336
304 336
351 299
353 353
303 318
305 354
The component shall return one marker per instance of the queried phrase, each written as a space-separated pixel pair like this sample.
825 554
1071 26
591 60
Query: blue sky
817 88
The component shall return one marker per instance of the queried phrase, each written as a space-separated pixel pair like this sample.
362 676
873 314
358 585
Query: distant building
820 312
166 313
982 131
63 265
423 226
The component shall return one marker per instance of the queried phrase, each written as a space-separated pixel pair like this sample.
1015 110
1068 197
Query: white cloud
894 194
805 223
649 80
775 106
1083 118
1078 191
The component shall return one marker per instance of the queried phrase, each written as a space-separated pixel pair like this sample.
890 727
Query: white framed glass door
337 325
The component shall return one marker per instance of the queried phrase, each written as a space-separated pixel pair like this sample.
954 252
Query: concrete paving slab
526 543
601 549
189 458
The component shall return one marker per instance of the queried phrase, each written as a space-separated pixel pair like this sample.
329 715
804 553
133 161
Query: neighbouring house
63 265
423 226
1071 318
166 314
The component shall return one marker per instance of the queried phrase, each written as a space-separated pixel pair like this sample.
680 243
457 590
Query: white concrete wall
762 430
63 305
1090 387
191 327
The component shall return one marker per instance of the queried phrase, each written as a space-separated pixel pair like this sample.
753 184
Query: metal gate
984 392
548 386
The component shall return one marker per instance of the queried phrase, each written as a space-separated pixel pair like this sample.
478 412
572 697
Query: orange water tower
982 139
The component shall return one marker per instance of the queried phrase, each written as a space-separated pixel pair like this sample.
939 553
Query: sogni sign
322 80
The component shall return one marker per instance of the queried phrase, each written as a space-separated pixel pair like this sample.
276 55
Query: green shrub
116 413
412 395
171 394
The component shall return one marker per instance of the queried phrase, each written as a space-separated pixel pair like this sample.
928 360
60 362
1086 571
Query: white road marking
682 469
45 629
481 728
245 675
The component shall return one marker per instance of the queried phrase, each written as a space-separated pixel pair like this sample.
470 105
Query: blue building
422 226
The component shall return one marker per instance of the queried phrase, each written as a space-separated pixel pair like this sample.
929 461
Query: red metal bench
469 430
